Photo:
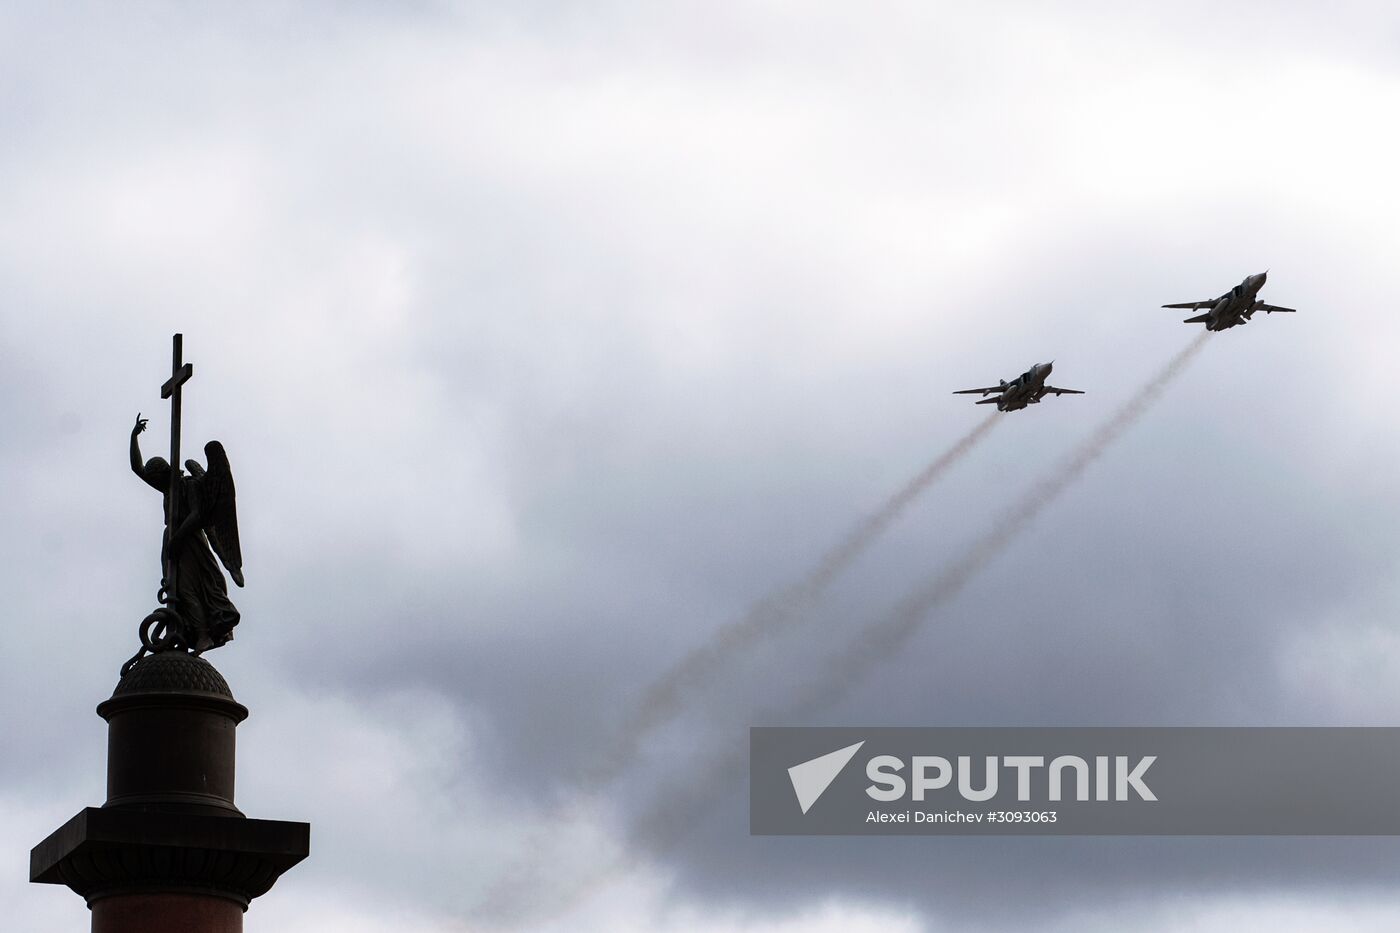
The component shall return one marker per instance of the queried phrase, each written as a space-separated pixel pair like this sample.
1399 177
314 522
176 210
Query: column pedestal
169 851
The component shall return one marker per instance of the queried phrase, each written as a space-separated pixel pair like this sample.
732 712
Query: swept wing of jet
1048 390
987 391
1258 306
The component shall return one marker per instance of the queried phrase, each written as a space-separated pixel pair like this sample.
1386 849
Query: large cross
180 373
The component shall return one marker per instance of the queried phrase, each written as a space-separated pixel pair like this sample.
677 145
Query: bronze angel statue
201 522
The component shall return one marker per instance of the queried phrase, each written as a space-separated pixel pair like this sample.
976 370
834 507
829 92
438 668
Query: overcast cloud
545 340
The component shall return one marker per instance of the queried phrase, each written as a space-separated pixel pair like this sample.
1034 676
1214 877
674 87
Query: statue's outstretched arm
138 464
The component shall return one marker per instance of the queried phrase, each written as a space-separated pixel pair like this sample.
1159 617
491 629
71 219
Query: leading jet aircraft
1026 389
1236 306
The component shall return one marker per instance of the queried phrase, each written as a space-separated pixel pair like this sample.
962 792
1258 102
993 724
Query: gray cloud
545 343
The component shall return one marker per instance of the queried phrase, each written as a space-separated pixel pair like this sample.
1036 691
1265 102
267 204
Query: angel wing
221 522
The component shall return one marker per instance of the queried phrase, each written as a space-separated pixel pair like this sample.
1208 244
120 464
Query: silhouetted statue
205 523
201 521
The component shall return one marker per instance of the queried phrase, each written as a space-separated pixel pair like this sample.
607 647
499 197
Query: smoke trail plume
683 807
663 699
876 642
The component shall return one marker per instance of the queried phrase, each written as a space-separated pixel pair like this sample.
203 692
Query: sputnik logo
811 778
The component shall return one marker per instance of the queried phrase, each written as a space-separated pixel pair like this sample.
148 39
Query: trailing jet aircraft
1026 389
1236 306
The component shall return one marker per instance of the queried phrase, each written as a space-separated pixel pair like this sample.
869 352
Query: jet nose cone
1047 368
1261 278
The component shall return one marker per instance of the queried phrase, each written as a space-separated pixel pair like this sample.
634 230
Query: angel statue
201 521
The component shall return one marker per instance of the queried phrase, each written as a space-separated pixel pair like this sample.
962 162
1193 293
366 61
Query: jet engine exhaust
882 639
682 806
705 665
770 616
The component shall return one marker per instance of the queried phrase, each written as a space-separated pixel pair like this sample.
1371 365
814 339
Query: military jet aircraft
1236 306
1026 389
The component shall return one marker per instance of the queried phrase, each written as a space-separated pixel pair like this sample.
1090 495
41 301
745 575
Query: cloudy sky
547 339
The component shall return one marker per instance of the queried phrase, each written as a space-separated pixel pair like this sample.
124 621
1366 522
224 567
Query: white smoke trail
663 700
676 814
670 821
880 640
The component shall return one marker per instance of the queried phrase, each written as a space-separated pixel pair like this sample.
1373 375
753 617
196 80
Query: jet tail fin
988 401
1198 319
